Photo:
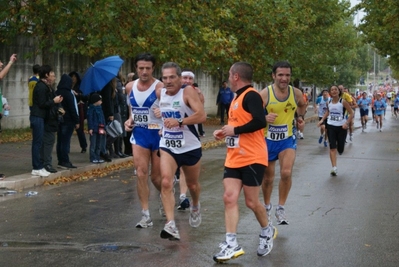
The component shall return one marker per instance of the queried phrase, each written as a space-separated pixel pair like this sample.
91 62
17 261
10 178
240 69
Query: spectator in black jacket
82 107
69 124
42 104
121 115
108 106
50 127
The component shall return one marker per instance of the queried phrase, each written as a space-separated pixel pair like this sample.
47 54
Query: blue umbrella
101 73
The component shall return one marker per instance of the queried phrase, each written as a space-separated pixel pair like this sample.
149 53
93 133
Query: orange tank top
247 148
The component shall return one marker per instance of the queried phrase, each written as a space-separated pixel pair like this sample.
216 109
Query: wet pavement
347 220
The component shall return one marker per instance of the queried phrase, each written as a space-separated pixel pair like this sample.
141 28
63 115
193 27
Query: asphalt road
348 220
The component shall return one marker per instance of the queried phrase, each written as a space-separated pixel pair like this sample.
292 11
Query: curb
27 181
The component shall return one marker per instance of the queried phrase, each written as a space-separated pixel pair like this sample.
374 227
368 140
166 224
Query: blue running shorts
275 147
146 138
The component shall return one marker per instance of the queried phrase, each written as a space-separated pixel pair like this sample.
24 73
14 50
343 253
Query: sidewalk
16 161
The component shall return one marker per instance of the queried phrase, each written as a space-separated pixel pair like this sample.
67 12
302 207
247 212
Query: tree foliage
315 36
379 26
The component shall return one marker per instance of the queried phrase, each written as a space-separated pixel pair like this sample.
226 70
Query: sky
360 15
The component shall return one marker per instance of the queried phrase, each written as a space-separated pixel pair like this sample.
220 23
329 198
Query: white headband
188 73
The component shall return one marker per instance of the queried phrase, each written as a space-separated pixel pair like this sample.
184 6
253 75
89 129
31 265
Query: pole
374 73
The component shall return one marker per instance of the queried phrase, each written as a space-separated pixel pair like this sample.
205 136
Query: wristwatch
180 121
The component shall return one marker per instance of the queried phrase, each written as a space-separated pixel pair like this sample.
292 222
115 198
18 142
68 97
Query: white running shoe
170 232
145 222
227 252
41 172
195 217
265 245
334 171
280 216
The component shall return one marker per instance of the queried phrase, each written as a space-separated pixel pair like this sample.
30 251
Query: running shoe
334 171
170 232
184 204
300 135
350 137
320 139
325 143
378 125
381 129
227 252
265 245
195 218
145 222
280 216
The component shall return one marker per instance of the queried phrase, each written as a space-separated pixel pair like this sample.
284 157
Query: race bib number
232 141
141 115
173 139
277 132
336 117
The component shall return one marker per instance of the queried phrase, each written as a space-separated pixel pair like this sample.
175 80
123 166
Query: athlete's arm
270 117
265 96
129 123
192 100
301 110
252 103
158 89
348 108
354 104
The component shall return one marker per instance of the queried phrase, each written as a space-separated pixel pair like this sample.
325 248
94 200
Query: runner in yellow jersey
345 95
281 101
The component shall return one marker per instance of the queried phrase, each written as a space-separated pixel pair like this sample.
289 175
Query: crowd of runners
337 108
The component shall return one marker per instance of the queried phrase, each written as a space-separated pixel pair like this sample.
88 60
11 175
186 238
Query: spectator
32 82
96 124
108 97
121 115
6 109
50 127
3 73
69 123
42 104
82 108
223 100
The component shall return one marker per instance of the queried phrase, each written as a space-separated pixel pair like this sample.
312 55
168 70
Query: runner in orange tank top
245 163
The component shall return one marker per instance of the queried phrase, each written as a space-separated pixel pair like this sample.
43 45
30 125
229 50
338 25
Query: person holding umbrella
101 77
143 95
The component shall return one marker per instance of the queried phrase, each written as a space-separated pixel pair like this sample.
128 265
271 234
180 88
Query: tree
210 35
379 27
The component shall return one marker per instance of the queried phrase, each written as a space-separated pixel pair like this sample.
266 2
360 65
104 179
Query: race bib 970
277 132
